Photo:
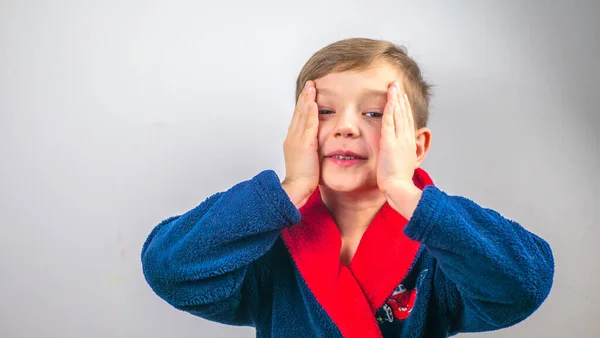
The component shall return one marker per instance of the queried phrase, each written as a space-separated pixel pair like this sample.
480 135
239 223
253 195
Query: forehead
378 76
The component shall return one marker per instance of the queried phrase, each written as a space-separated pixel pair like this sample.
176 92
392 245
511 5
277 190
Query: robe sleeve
493 273
204 261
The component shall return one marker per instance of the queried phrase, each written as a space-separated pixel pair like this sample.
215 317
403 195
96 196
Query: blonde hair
360 53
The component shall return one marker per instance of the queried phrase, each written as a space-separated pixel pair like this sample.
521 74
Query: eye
325 112
374 114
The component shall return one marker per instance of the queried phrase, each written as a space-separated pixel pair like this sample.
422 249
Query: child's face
351 106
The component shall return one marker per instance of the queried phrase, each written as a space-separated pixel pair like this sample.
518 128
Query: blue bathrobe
247 256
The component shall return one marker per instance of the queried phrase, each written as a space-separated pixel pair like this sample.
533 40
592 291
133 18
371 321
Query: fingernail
307 84
310 89
397 84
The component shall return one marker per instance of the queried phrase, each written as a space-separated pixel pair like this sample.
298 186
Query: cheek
321 136
373 137
326 128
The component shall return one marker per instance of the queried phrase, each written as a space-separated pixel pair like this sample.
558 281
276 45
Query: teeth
344 157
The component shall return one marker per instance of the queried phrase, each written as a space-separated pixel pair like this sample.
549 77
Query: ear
423 140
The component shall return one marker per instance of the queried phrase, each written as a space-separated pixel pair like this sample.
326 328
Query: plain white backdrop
117 114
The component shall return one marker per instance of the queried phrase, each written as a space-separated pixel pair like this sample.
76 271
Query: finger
411 115
394 95
311 93
312 123
407 116
387 123
296 126
401 90
305 110
403 96
404 118
401 118
294 121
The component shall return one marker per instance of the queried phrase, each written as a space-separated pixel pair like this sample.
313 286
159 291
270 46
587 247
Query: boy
356 241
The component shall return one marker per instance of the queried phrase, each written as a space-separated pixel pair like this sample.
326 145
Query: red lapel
384 256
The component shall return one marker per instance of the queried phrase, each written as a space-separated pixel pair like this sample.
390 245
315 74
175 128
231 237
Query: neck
352 211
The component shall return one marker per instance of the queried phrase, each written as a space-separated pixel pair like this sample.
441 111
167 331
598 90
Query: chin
344 182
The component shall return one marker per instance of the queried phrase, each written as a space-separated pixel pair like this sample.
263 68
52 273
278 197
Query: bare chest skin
352 227
349 247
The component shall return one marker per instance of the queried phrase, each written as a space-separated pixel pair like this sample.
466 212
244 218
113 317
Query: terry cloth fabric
247 256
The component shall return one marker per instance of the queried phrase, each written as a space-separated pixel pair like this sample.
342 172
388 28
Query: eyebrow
368 92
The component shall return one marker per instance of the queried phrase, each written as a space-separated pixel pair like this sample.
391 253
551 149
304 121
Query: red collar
352 295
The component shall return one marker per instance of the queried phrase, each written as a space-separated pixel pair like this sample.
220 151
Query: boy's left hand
397 158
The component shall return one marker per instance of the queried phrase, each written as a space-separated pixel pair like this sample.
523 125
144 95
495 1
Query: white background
117 114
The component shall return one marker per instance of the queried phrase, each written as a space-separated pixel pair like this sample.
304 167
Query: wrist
296 196
404 198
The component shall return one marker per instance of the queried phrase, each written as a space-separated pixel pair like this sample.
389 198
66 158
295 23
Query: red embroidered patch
401 302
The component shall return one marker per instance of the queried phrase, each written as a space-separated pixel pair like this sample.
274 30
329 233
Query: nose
347 125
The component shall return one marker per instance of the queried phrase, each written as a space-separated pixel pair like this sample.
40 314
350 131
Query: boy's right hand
300 149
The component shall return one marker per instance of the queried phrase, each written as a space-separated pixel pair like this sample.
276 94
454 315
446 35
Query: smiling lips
345 157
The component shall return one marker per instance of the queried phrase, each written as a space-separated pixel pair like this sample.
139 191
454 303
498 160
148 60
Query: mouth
345 158
345 155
